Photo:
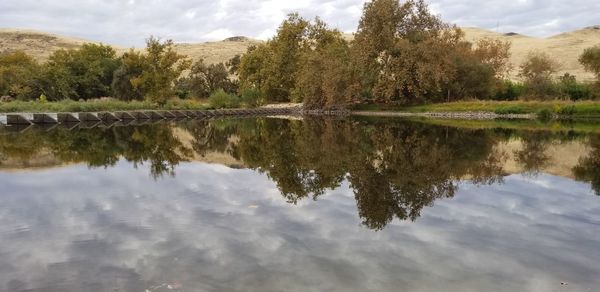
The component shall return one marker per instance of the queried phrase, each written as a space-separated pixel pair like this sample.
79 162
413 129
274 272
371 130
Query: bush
569 88
222 99
544 114
564 110
509 90
250 97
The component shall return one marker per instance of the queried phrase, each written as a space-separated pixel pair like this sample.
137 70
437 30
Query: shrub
509 90
566 110
222 99
250 97
536 71
569 88
544 114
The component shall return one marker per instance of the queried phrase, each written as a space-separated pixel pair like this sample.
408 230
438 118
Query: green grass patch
562 108
97 105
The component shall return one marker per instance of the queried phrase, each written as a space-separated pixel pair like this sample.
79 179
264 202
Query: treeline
401 54
95 70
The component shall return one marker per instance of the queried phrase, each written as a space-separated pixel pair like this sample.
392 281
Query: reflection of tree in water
394 168
532 156
103 147
213 136
588 168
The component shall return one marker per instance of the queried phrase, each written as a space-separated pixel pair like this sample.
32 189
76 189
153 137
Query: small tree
204 79
271 68
537 70
132 67
17 72
590 59
82 73
163 66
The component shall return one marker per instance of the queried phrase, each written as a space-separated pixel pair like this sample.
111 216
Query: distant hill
37 44
41 45
565 47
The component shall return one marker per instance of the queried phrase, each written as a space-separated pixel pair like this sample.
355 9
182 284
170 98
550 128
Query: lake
289 204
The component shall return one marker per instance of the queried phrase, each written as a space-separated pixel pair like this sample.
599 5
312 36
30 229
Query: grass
97 105
562 108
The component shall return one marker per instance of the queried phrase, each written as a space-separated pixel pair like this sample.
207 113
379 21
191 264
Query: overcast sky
129 22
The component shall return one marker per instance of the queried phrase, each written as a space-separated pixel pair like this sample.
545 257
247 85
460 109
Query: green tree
17 72
590 59
271 68
404 51
376 35
82 73
326 76
233 64
536 71
163 66
132 66
205 79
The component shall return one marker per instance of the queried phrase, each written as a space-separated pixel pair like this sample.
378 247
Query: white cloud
129 22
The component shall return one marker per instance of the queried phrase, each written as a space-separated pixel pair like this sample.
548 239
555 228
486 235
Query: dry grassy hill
565 47
40 45
37 44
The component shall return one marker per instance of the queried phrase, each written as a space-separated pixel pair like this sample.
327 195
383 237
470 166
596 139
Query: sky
129 22
76 228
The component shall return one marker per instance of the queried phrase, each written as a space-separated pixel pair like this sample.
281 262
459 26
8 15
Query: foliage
233 64
271 68
82 73
132 66
569 88
536 71
162 66
590 59
221 99
204 79
250 97
96 105
325 78
17 71
508 90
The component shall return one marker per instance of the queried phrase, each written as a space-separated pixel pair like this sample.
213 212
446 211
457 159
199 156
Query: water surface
299 205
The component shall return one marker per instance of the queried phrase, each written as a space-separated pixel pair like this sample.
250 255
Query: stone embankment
139 116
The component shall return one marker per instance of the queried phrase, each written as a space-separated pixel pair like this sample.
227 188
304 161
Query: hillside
37 44
40 45
565 47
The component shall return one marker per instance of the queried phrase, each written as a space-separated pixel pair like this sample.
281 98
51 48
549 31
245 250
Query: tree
537 70
205 79
590 59
405 52
132 66
253 71
326 76
233 65
376 34
17 72
162 66
82 73
496 54
271 68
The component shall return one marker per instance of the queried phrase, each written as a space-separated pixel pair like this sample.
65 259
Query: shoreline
447 115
